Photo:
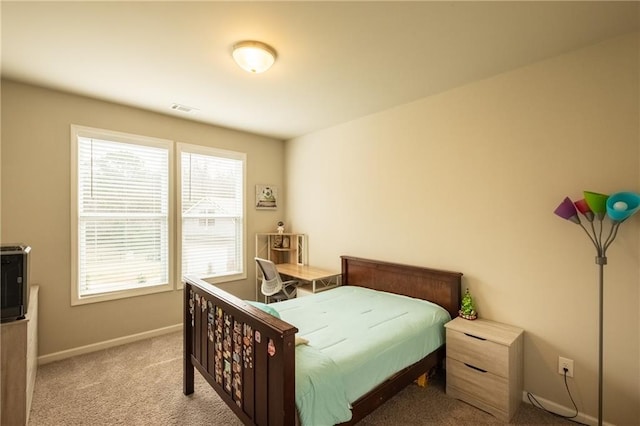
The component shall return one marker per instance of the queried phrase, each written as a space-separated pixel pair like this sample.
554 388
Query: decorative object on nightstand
484 365
280 227
468 310
619 207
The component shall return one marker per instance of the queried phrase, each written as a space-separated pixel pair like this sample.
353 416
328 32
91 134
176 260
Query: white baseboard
57 356
564 411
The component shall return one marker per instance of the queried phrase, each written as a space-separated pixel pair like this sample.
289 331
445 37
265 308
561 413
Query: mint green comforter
358 338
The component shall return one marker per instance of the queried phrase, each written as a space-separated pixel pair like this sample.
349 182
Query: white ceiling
336 60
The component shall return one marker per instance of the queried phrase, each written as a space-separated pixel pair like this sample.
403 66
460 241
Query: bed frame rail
246 355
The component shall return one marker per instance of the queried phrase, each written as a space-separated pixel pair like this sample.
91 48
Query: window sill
116 295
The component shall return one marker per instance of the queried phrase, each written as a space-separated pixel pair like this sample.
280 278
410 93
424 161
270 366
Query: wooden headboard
441 287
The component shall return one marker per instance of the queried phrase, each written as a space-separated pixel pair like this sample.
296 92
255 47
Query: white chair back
271 281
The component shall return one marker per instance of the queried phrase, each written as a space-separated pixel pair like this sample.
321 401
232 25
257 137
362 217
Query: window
121 226
123 215
212 213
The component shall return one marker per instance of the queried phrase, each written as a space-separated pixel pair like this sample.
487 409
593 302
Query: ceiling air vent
182 108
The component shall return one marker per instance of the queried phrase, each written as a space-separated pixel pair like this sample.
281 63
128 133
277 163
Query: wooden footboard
246 355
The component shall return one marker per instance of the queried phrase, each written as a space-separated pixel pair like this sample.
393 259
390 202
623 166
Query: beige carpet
141 384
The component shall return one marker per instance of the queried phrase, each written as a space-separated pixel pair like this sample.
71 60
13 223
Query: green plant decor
468 310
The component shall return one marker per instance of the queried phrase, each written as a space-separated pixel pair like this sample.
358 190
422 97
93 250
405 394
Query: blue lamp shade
621 205
567 210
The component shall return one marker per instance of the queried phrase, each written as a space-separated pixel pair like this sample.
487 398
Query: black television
14 294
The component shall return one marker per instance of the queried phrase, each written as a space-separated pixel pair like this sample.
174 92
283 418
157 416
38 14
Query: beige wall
468 180
36 205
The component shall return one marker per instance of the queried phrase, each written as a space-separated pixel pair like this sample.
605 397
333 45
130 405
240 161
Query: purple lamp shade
567 210
583 208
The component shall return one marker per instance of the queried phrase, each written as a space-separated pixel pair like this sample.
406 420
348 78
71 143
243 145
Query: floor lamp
618 207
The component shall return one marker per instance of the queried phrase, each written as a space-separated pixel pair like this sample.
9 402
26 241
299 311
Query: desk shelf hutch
282 248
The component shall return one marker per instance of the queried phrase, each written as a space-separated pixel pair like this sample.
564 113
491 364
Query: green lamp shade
621 205
597 203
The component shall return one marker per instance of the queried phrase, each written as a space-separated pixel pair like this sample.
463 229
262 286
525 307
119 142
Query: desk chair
272 285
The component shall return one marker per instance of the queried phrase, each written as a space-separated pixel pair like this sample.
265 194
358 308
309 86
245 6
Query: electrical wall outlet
565 363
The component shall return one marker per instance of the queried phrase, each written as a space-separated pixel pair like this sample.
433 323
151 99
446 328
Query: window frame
110 135
214 152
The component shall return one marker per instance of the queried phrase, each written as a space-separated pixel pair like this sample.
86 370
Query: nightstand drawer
479 352
480 388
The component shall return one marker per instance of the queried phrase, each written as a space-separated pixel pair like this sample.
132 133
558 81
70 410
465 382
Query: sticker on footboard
227 346
217 360
271 348
236 384
210 322
227 375
247 352
191 305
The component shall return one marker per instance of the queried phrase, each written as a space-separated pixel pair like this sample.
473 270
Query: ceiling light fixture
254 56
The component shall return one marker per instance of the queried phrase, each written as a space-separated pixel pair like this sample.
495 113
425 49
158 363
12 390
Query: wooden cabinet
282 248
19 363
484 365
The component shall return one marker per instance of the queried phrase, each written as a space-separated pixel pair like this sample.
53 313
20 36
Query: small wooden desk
320 279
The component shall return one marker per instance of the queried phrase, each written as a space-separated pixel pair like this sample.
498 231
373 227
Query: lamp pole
601 261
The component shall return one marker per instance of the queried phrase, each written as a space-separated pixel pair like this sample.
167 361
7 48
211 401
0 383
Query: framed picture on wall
266 197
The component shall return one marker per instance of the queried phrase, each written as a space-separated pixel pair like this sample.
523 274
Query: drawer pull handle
475 368
475 337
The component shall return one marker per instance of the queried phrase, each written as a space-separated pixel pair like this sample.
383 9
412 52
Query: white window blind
123 215
212 200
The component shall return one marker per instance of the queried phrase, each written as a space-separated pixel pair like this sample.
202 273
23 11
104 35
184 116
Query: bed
248 355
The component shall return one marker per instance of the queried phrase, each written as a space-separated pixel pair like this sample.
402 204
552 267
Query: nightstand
484 365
